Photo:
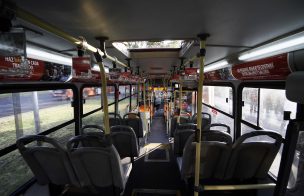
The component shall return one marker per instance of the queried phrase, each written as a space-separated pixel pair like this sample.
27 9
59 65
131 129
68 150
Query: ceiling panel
234 22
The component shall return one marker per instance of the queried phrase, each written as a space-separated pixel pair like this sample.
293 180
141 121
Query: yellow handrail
199 112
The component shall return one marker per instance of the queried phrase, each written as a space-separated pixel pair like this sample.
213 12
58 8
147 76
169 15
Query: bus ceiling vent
294 89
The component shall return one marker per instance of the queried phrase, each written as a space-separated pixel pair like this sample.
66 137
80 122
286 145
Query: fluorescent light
45 55
216 65
287 44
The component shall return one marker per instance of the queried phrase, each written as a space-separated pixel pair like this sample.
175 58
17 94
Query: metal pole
36 111
17 114
104 98
199 111
180 101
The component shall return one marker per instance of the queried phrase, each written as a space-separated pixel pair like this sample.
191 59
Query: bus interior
151 98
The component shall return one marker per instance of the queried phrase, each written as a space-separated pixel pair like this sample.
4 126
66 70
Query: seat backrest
125 141
180 138
115 119
214 156
252 160
206 120
218 127
133 120
48 160
183 119
97 167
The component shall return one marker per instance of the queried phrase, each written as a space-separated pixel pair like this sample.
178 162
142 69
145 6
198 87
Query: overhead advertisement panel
16 68
272 68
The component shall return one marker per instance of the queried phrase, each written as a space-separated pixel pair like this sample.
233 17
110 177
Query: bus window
219 97
273 103
124 91
250 105
217 101
270 104
94 102
28 113
123 106
92 99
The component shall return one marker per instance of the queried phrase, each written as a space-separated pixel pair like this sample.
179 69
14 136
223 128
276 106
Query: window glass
97 117
134 102
188 102
92 98
111 94
124 91
219 97
273 103
33 112
123 107
217 117
250 107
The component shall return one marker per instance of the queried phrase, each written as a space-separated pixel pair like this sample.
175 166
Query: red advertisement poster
272 68
14 68
81 70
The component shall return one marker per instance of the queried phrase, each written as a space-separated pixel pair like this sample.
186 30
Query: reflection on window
124 91
123 107
250 108
32 112
97 117
217 117
188 102
219 97
273 103
92 96
134 102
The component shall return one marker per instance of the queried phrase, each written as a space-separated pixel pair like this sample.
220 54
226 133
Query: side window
265 108
218 101
26 113
92 99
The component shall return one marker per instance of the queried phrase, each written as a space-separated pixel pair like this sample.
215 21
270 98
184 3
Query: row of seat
184 131
206 121
91 160
221 159
130 119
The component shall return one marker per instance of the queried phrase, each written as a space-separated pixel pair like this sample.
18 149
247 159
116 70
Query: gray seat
181 136
124 140
115 119
206 120
48 161
97 167
174 123
133 120
215 154
218 127
253 159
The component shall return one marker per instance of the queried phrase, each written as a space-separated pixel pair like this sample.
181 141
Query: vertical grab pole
104 98
180 101
203 38
99 55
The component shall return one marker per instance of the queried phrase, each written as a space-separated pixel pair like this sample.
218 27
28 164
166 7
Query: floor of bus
155 171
